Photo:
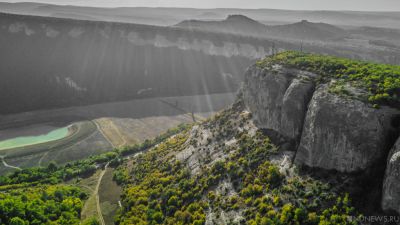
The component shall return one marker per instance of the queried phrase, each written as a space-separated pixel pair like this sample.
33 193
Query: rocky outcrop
391 184
330 131
331 127
342 133
278 99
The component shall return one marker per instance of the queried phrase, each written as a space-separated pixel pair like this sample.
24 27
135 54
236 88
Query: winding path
102 132
7 165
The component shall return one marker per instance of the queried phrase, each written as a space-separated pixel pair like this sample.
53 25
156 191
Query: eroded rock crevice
278 100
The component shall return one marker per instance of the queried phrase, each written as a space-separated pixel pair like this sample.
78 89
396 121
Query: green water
31 140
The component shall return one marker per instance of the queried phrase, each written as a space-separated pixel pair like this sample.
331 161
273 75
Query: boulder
344 134
391 183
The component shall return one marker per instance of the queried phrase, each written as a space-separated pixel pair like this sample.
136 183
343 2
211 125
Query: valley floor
117 124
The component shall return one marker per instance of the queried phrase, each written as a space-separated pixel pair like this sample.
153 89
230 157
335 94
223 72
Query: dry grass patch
109 193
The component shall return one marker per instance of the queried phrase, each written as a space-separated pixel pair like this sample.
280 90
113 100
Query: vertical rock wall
278 99
343 134
391 183
331 131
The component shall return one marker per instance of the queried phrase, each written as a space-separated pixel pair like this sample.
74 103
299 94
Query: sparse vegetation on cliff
241 187
380 81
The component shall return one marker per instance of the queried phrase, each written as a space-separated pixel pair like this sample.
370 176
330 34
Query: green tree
17 221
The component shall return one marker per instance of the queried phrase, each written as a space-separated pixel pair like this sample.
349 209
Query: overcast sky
360 5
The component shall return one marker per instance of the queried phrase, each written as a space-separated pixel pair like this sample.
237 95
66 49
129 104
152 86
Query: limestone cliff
331 131
327 130
278 99
343 134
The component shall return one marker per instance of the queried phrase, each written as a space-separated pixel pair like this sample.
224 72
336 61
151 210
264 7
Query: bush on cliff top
381 81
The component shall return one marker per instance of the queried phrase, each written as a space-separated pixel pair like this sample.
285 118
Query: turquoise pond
32 140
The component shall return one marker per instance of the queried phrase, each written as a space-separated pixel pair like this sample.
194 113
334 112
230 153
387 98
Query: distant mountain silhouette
171 16
308 30
235 24
239 24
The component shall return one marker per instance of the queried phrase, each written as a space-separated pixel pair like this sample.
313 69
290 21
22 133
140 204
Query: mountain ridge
243 25
160 16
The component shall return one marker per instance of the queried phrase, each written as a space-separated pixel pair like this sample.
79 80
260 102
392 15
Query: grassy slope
109 193
87 185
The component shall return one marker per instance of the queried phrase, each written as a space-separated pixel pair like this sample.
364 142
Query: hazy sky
362 5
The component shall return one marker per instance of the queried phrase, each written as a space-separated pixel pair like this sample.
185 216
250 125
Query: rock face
391 184
278 99
331 131
343 134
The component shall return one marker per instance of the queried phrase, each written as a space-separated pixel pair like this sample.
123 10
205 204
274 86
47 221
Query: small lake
31 140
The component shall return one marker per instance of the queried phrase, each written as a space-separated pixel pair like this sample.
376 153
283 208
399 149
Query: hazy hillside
367 43
49 62
234 24
52 62
387 37
306 30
